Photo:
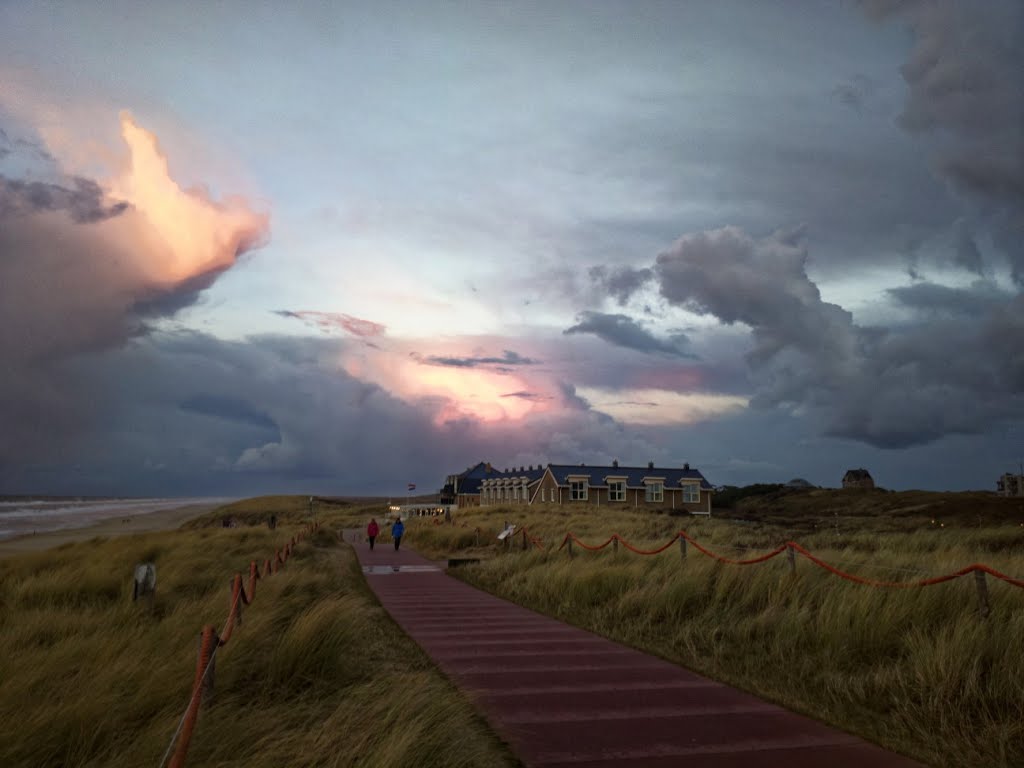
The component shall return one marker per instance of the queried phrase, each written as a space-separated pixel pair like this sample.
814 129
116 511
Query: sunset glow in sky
342 247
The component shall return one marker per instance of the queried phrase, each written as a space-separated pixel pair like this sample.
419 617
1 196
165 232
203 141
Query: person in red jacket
372 531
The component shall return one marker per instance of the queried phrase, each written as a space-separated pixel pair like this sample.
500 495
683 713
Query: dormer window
691 493
655 491
579 488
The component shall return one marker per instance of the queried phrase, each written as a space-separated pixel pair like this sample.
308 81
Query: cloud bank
84 266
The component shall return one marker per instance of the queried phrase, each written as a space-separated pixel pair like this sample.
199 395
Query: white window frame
579 489
616 490
691 493
654 493
543 494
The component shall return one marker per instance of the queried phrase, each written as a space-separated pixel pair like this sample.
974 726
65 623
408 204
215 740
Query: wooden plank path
563 697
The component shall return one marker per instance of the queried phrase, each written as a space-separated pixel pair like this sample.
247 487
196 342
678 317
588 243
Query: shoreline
107 527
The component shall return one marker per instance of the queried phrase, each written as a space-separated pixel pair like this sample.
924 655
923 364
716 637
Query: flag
412 486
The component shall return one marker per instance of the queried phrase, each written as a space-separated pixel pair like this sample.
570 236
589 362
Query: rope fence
792 549
210 641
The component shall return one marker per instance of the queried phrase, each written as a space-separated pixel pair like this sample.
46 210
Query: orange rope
535 541
207 647
572 536
631 548
901 584
976 567
210 642
719 558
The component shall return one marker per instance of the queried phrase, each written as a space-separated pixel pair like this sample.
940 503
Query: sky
341 247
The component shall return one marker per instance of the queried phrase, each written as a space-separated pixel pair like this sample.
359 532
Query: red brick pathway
564 697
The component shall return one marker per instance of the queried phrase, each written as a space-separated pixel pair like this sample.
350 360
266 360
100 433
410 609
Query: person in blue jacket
397 530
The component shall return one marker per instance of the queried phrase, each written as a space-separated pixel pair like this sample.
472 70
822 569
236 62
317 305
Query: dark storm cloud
624 331
966 252
965 78
889 387
227 407
79 274
84 201
509 357
620 282
275 414
977 301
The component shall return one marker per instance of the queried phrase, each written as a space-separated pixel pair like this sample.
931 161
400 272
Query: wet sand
161 520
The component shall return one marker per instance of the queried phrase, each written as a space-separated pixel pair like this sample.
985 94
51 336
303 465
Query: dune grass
317 674
916 670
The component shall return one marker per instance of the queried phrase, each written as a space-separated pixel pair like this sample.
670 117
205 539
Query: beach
168 516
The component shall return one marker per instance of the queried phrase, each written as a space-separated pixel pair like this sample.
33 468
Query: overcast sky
340 247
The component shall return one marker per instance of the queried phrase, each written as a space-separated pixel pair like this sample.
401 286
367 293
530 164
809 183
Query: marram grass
316 675
916 670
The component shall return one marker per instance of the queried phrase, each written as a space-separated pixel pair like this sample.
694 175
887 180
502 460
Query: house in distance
858 478
649 487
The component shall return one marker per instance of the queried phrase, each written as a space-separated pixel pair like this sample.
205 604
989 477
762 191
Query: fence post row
209 642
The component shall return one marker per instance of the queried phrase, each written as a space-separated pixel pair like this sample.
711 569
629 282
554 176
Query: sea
23 516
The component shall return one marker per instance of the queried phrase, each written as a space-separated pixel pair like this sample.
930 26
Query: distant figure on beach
372 531
397 530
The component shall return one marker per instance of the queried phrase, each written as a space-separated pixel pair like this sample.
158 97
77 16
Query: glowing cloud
191 234
659 407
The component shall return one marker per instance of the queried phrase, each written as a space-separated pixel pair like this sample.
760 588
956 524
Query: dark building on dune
858 478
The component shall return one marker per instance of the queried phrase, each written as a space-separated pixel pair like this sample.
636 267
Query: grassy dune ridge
317 674
913 669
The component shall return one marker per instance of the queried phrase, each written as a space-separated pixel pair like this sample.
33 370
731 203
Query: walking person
372 531
397 529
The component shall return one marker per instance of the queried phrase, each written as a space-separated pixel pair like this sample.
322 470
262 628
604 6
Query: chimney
488 468
686 465
650 465
615 463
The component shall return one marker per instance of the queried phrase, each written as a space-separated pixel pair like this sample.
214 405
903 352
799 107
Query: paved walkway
563 697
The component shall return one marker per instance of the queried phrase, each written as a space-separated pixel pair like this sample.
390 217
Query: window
543 494
691 493
579 490
616 490
655 492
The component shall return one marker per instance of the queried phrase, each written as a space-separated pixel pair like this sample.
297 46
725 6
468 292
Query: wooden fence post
682 548
791 554
615 547
570 548
478 537
982 585
524 539
145 584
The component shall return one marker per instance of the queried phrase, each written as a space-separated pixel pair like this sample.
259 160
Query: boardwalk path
563 697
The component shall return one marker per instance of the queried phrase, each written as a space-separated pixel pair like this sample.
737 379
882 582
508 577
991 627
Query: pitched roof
469 481
856 474
634 476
